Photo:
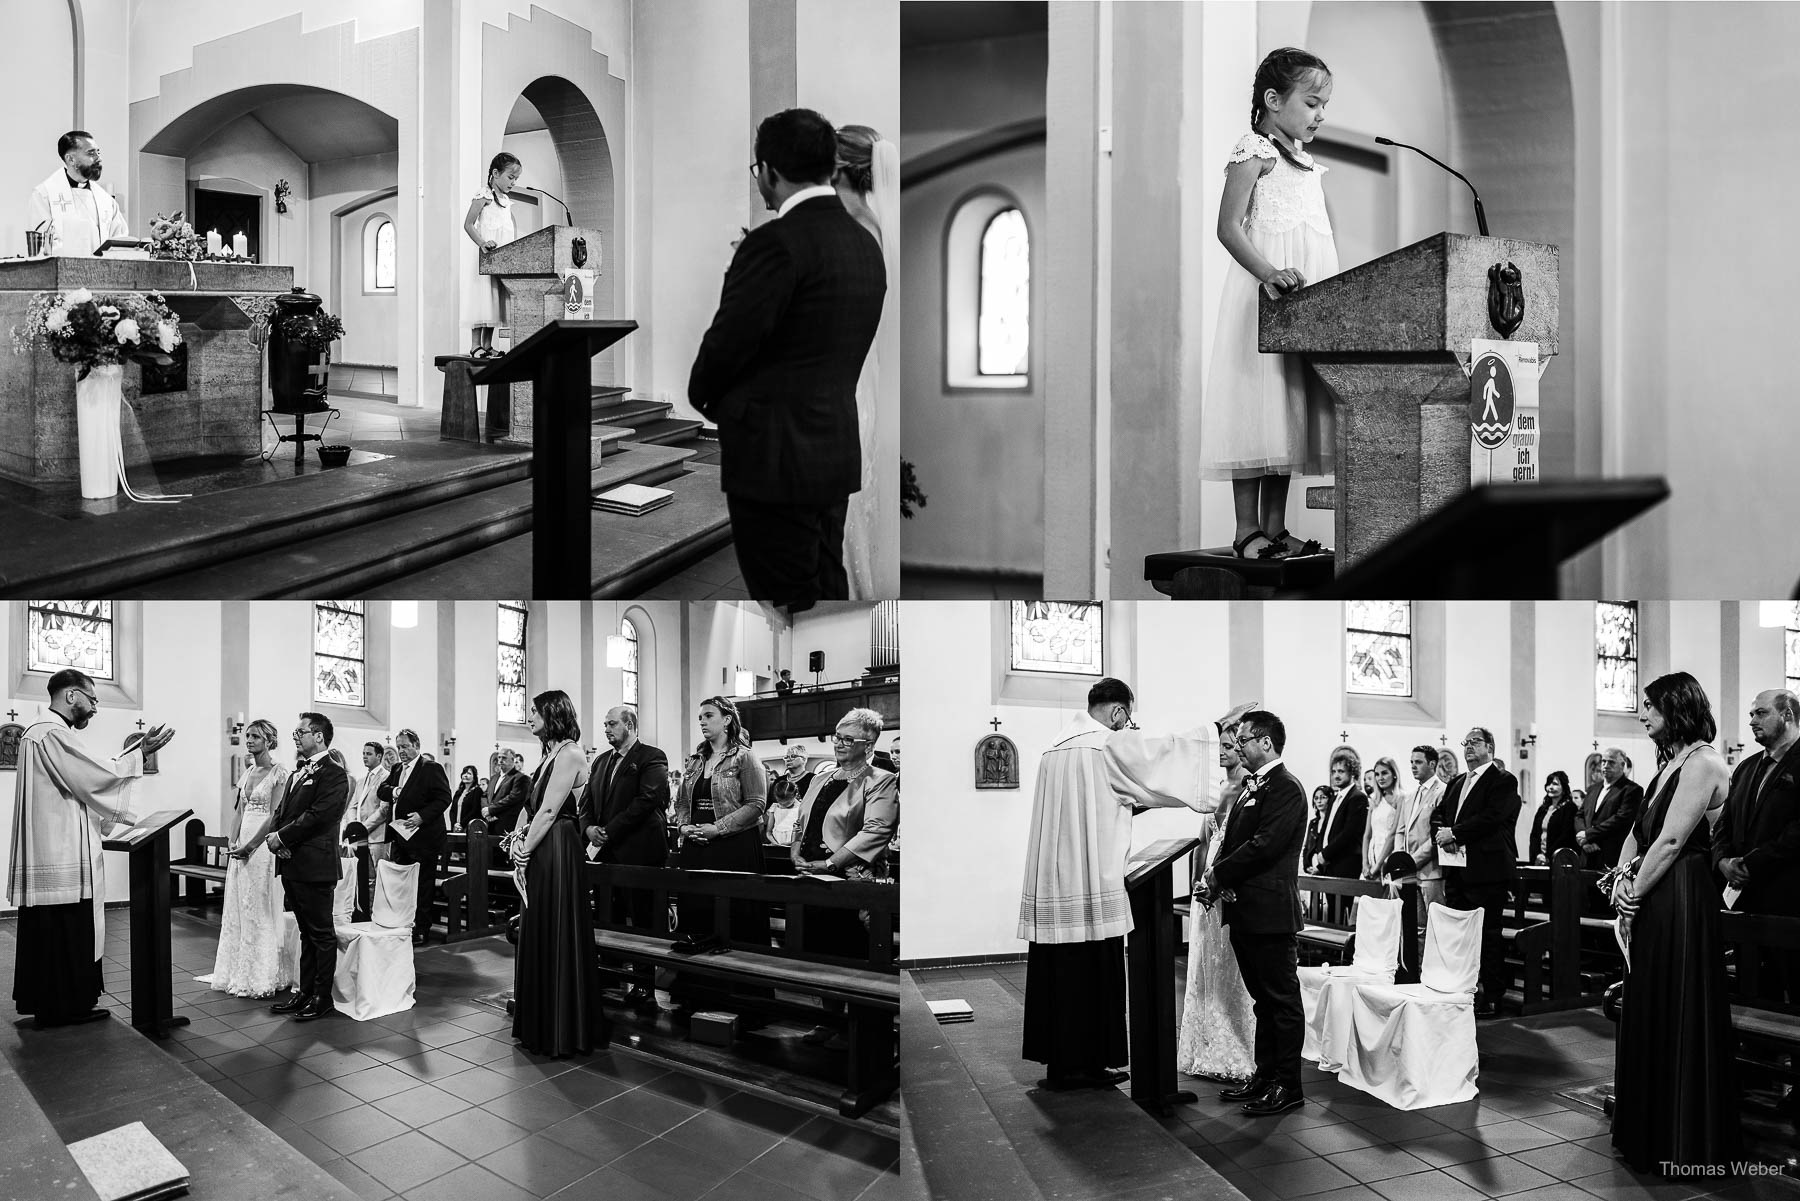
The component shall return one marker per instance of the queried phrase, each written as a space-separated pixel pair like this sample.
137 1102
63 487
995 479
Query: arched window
1003 330
1616 656
378 253
511 657
1378 640
340 653
629 689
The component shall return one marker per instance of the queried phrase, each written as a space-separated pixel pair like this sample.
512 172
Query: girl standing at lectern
1257 423
489 224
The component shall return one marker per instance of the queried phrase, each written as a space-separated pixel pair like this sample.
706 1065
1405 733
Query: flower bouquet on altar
173 237
100 330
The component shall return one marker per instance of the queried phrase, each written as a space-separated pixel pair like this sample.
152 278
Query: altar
210 405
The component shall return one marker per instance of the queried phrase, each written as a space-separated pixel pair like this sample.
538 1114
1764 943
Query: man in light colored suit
1413 835
370 810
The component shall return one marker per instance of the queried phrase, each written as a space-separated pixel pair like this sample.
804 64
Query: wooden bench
869 989
471 893
1767 1030
202 865
1323 933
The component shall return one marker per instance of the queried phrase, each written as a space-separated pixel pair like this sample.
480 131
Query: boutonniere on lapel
1252 785
304 774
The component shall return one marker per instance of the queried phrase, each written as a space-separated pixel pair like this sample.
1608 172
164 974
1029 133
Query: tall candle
212 241
240 245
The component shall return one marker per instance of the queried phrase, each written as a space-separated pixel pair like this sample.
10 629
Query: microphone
569 218
1480 215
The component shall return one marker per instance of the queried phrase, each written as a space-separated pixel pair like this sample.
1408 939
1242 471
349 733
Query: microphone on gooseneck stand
568 217
1480 216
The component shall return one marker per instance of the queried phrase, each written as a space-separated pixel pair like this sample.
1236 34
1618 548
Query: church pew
202 864
1325 932
478 879
868 988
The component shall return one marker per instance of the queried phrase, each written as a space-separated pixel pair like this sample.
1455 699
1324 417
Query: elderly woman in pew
719 810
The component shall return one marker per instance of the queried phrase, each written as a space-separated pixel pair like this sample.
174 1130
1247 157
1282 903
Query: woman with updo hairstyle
1675 1087
249 959
868 182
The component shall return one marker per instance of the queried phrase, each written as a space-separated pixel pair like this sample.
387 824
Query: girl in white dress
868 181
489 224
1258 424
1218 1025
250 937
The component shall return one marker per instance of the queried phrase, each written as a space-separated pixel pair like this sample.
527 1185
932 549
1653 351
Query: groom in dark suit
304 839
1479 816
1256 874
419 791
777 371
625 812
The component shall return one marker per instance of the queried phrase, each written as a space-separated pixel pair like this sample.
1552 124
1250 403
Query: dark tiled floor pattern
936 585
1518 1139
437 1102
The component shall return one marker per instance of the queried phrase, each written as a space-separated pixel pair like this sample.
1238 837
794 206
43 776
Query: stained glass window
1003 335
384 255
1378 643
1793 647
340 653
76 634
513 615
628 632
1057 636
1616 656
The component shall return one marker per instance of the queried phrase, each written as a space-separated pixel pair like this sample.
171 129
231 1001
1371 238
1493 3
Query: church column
440 268
234 677
774 68
1076 106
448 678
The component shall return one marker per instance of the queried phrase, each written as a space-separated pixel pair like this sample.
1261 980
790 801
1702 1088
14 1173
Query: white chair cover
1377 957
1413 1045
375 973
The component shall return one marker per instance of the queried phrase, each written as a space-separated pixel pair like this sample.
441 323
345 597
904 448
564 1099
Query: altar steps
648 420
370 550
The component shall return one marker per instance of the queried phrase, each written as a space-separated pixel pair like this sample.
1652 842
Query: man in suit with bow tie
1256 875
1756 847
303 836
625 812
1611 817
419 791
1477 818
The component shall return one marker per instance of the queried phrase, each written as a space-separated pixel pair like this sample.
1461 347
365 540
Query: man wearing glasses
1478 850
63 799
303 837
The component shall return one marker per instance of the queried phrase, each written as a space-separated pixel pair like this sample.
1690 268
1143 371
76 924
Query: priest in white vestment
75 214
1073 909
63 801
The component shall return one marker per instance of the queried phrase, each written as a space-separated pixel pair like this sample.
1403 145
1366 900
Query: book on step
951 1011
633 499
129 1164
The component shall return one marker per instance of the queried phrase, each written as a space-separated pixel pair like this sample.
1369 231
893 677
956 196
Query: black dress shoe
293 1004
1278 1099
1249 1090
319 1007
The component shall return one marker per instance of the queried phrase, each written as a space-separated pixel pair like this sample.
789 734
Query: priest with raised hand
1073 910
63 800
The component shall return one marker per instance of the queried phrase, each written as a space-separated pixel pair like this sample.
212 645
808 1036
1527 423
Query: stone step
436 536
605 439
630 554
666 431
630 411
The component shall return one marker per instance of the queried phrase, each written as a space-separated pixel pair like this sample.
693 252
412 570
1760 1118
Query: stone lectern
1389 339
215 410
531 271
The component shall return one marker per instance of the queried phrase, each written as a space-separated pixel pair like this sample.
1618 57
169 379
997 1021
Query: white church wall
39 62
722 637
841 631
536 152
1762 665
953 91
845 67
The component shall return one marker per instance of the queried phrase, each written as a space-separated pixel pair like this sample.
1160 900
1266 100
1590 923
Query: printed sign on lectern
1504 445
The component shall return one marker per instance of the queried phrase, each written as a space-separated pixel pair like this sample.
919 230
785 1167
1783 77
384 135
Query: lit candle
212 241
240 245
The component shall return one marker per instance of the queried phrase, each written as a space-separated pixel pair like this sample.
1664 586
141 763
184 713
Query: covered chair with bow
1376 959
375 974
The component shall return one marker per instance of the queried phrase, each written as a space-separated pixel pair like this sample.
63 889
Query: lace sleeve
1251 145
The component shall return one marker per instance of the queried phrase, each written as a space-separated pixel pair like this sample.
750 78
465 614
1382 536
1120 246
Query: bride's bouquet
1609 880
510 845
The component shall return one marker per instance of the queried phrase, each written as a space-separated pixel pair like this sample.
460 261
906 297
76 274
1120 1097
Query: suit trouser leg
428 873
311 903
789 554
1491 900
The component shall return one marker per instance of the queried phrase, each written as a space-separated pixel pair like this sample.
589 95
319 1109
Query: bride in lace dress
1218 1029
868 181
250 937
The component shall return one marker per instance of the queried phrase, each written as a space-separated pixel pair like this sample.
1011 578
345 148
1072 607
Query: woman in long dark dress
556 977
1675 1084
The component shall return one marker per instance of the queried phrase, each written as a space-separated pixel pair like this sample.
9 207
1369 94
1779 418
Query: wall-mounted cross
996 724
140 723
12 715
1444 740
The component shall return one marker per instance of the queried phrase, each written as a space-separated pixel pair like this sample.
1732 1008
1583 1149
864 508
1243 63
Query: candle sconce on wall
234 729
449 743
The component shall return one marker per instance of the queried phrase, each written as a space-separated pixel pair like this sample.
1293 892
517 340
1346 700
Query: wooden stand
530 270
555 360
1150 967
152 989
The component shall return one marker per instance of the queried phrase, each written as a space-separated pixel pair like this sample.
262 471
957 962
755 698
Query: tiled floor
370 381
437 1102
1519 1139
944 585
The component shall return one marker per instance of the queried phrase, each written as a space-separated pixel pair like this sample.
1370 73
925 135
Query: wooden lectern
1388 338
152 989
530 270
555 361
1150 972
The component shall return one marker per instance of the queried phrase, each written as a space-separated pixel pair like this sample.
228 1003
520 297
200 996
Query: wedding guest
1425 884
1757 844
1477 818
1592 784
420 794
1312 845
1675 1085
489 224
1553 828
785 683
785 791
367 809
719 810
508 799
625 813
465 806
248 963
1346 819
1614 814
1384 817
556 978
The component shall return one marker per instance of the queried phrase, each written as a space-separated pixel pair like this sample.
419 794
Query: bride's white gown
249 963
1218 1027
872 522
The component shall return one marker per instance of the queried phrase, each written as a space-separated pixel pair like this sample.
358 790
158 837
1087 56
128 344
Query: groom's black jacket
777 370
1260 857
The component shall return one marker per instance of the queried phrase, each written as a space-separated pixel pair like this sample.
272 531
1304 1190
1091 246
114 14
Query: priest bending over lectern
1074 911
63 799
73 212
